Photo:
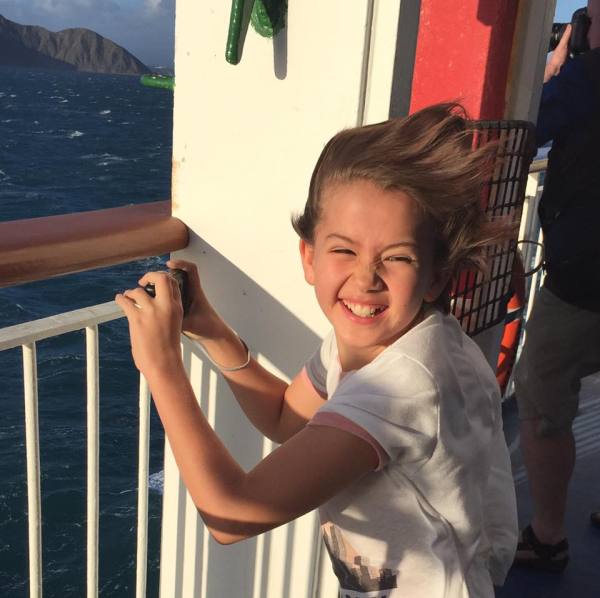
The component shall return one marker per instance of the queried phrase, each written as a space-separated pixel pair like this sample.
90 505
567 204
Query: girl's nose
367 276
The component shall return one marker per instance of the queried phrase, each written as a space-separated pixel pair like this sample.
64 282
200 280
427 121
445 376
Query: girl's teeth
363 311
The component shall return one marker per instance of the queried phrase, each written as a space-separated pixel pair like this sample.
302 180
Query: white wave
156 482
13 95
3 176
108 159
8 120
105 111
65 101
74 134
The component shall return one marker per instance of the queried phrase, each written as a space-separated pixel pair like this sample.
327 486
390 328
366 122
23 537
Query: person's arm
312 466
558 57
275 408
568 100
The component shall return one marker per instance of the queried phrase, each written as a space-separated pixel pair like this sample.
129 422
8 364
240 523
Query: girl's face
371 264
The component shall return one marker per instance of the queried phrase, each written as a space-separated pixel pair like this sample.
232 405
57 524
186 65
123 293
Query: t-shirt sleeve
317 366
395 402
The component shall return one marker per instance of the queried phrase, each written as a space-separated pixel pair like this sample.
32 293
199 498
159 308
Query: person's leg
549 462
547 383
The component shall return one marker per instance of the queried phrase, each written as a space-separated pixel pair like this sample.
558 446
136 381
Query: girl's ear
438 283
307 253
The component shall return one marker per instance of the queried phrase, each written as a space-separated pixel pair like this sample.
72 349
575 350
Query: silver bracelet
235 368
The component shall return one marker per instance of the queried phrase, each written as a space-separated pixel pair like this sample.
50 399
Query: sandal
595 518
534 554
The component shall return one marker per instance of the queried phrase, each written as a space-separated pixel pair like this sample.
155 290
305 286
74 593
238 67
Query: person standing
563 333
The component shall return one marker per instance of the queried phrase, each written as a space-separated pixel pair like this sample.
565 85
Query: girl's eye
342 251
399 258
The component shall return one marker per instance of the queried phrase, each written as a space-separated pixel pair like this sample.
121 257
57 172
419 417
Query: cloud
64 7
153 5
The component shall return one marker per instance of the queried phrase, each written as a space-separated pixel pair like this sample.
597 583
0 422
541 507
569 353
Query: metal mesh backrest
479 301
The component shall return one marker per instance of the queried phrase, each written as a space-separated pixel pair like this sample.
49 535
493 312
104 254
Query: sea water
71 142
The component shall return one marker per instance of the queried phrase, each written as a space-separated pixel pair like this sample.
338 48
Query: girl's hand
154 324
202 321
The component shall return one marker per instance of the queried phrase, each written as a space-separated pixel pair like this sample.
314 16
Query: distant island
70 49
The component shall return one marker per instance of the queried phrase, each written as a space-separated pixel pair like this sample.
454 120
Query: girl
393 429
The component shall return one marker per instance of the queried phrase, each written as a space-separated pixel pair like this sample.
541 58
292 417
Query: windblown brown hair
429 156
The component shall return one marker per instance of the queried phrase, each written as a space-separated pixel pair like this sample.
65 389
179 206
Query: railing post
142 504
91 335
32 440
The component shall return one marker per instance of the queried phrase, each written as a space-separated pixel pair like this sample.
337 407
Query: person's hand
559 56
202 321
154 324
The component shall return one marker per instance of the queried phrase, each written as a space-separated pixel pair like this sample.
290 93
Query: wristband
235 368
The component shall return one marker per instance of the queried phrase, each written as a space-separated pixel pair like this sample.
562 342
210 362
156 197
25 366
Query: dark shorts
562 346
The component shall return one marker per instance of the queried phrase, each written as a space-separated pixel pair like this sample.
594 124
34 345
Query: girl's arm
311 467
276 408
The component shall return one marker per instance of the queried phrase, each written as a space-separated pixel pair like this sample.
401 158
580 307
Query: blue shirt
567 102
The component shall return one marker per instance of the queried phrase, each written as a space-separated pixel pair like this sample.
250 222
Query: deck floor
581 579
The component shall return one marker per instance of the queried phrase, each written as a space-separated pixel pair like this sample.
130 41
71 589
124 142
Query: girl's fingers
189 267
139 297
127 304
164 284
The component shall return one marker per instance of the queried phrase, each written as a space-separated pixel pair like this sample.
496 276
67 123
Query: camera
578 42
182 282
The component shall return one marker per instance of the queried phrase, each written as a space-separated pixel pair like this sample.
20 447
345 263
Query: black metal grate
479 300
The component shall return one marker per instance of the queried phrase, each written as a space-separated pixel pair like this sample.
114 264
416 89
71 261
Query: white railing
532 255
27 335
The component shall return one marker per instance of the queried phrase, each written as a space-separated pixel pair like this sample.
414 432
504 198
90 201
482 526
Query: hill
70 49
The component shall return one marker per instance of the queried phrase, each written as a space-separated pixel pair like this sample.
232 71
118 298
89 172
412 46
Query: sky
144 27
565 8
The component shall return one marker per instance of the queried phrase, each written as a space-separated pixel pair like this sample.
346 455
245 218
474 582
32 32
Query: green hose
160 81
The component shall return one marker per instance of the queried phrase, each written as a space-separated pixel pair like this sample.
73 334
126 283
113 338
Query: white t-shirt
438 516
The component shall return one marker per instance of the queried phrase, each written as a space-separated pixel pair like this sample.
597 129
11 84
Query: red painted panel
463 53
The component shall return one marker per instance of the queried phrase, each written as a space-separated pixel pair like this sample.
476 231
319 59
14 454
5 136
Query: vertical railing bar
32 442
142 504
93 428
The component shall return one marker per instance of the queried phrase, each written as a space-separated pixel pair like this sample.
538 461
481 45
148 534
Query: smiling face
371 263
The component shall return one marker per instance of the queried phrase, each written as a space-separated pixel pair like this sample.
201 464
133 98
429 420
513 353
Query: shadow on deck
581 579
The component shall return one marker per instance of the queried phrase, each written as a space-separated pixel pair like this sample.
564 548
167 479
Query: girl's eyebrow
399 244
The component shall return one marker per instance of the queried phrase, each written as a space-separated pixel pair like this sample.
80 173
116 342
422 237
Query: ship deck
581 579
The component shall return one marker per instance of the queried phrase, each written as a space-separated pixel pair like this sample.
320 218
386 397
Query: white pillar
246 138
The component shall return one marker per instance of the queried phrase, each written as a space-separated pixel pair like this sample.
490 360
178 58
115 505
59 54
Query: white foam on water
108 159
105 111
156 482
74 134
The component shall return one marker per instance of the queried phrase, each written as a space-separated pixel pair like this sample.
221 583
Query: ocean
72 142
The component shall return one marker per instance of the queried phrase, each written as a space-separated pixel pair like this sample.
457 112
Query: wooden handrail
39 248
